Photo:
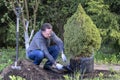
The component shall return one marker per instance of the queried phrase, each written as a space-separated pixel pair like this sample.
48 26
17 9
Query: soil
29 71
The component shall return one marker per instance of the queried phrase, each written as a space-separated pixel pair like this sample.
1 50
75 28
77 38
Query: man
40 47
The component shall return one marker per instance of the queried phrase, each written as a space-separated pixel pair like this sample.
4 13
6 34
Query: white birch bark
27 38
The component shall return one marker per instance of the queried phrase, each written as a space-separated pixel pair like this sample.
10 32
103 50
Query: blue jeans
37 55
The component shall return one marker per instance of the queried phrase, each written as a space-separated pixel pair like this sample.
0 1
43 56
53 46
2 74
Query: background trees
107 22
104 13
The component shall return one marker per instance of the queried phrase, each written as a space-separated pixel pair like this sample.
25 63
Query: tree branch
26 7
37 2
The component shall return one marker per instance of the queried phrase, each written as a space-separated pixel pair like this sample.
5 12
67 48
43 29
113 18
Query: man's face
47 33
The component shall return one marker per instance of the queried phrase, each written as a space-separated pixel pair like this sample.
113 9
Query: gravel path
106 67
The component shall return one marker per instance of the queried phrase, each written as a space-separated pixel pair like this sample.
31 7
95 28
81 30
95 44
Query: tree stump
82 64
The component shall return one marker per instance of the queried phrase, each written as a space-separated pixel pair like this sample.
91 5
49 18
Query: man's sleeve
41 45
58 41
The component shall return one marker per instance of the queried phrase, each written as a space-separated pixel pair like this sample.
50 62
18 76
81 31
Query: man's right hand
58 66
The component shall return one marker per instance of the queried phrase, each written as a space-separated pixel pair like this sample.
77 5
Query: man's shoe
50 68
47 67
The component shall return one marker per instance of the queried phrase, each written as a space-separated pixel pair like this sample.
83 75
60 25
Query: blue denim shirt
39 42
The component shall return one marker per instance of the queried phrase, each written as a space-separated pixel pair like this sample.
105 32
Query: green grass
7 57
100 77
107 58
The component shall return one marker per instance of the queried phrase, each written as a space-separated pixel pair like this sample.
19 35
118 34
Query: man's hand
59 66
63 57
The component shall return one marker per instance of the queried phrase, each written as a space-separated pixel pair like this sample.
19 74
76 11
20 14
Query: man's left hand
63 57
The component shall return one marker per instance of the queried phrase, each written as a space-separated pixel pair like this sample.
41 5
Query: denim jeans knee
36 55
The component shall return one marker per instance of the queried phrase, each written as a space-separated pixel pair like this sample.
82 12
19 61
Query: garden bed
29 71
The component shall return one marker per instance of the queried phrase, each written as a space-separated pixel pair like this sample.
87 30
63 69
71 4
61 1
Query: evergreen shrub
81 36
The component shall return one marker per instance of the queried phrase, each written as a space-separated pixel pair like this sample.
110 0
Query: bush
81 35
108 23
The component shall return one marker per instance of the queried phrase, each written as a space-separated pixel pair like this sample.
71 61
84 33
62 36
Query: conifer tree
81 36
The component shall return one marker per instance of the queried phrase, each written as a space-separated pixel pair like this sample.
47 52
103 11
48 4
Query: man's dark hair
46 26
